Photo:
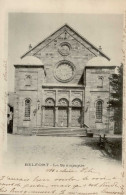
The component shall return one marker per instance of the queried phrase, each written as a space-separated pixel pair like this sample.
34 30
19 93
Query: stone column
56 116
69 117
43 116
39 117
56 110
82 119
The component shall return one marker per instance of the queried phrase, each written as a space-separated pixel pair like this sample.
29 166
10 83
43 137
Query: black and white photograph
65 99
65 87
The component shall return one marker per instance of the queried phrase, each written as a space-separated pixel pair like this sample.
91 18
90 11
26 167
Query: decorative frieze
76 103
63 94
63 102
49 94
76 94
49 102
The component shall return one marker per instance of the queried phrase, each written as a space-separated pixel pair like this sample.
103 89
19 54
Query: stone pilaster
43 116
39 118
69 118
56 116
82 119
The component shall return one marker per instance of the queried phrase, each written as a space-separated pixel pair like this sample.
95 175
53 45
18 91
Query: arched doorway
49 120
63 113
10 111
76 114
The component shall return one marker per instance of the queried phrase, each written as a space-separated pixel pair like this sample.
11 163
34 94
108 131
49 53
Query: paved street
66 150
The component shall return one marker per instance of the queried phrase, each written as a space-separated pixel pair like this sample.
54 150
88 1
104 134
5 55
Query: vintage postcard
62 110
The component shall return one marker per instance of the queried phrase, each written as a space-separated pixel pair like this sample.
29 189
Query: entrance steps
65 132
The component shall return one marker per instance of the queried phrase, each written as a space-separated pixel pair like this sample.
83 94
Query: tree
116 98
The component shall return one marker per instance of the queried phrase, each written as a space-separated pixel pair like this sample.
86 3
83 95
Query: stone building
62 83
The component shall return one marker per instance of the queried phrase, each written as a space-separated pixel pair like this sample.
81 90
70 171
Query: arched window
27 108
99 109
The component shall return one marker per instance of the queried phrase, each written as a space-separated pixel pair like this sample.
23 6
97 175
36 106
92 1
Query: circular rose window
64 71
64 48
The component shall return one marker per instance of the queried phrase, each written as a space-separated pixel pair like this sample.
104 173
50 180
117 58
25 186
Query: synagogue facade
62 82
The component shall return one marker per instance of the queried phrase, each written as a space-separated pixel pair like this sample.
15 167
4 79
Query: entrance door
49 117
76 117
63 117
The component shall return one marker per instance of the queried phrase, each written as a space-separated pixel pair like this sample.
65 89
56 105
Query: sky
103 30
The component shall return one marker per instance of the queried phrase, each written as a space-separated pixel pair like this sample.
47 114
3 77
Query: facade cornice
28 66
63 86
98 67
100 91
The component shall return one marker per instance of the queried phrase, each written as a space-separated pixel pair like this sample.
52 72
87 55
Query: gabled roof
72 32
99 61
31 60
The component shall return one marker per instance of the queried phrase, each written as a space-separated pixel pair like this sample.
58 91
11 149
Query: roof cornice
28 66
90 67
78 34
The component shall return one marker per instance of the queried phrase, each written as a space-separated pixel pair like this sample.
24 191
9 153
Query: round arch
76 102
63 102
49 102
49 112
98 100
76 113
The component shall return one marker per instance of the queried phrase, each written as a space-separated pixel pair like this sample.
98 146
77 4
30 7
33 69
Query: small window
100 82
27 109
28 80
99 109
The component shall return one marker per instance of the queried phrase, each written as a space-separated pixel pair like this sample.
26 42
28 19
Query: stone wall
23 92
94 91
31 82
78 54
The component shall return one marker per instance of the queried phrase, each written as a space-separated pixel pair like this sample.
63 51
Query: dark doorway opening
10 119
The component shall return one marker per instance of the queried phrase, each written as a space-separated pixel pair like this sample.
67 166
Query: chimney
30 47
100 48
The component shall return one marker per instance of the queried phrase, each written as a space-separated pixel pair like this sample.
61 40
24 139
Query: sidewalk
112 144
67 150
109 136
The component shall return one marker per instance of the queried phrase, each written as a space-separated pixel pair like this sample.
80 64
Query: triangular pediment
64 32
